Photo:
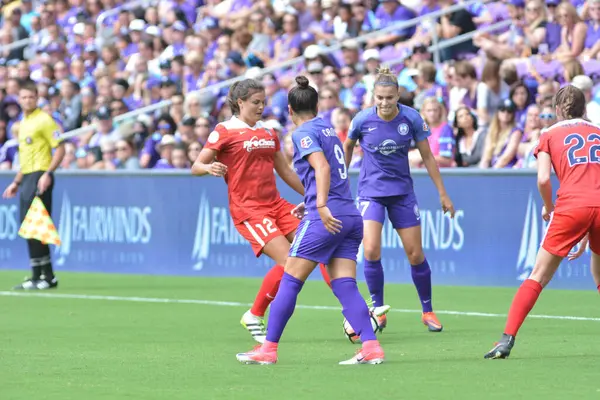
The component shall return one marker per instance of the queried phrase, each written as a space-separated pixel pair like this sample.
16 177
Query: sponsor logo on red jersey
256 143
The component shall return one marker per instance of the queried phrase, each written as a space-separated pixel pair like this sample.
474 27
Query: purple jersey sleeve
306 142
354 132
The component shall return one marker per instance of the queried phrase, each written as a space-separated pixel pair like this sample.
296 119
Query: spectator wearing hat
351 55
185 130
104 129
70 104
165 149
150 154
235 64
585 84
390 12
503 138
177 41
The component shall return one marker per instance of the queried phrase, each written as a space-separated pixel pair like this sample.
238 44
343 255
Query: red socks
267 292
325 275
270 286
522 304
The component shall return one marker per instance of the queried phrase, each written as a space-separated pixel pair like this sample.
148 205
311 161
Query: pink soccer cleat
258 355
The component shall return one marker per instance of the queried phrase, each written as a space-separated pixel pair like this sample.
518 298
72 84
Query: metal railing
128 5
290 63
435 48
16 45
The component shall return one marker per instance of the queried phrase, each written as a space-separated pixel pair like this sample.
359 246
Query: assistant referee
38 135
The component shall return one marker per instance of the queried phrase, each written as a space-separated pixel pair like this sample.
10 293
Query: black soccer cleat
37 284
502 348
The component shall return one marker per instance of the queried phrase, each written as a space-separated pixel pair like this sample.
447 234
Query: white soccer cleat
374 355
380 313
255 325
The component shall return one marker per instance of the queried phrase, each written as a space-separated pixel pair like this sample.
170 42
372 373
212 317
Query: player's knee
372 252
415 255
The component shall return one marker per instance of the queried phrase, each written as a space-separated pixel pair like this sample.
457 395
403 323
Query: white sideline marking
237 304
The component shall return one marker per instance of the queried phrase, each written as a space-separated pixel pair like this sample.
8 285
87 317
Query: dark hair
521 84
571 102
303 98
460 133
29 85
242 90
385 77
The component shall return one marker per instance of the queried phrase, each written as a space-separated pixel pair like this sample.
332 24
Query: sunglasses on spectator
506 109
547 116
347 76
201 125
164 126
121 148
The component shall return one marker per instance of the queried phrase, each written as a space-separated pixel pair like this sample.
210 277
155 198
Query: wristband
322 206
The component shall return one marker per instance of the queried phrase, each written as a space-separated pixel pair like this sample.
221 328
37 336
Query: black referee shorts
28 191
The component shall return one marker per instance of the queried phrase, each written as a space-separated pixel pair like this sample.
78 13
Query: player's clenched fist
217 169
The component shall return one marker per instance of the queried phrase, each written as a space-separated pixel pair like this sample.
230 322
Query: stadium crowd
95 60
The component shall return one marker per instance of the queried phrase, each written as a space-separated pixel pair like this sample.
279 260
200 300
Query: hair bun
302 81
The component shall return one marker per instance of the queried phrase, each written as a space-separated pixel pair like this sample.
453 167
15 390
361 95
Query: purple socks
374 277
354 307
283 306
421 276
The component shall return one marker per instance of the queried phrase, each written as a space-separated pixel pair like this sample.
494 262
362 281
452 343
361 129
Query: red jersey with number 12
249 154
574 148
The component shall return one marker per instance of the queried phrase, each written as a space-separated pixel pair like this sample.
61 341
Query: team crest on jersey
416 210
213 137
255 143
306 142
56 134
28 140
425 127
403 129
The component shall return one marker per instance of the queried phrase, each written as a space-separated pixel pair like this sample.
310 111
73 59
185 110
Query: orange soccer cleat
258 356
430 320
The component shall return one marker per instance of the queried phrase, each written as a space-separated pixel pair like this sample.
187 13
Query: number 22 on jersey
576 143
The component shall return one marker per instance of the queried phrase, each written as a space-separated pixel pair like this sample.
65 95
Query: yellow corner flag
38 224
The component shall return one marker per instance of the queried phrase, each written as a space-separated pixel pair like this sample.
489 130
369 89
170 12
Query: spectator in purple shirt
592 39
391 12
502 140
165 149
150 155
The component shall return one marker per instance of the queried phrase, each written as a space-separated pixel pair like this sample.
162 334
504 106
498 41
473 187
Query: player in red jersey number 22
244 153
572 147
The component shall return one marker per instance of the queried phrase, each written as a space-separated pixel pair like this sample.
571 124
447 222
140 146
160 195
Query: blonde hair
543 16
385 77
571 11
496 136
433 101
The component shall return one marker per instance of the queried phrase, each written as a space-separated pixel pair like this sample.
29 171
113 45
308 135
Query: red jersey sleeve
543 144
277 142
217 140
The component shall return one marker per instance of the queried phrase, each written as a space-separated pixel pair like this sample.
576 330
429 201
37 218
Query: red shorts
261 228
567 228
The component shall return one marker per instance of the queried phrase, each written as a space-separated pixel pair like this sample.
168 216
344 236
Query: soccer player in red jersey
244 153
572 148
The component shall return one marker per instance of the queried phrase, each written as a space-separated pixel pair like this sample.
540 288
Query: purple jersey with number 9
318 136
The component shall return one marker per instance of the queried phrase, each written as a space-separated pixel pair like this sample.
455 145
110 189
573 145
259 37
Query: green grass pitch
95 348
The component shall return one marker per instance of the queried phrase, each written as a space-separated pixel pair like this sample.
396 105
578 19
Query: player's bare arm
287 173
206 164
349 150
46 179
322 169
544 165
434 172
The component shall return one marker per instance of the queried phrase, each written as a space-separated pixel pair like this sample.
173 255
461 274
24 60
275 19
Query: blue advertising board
173 223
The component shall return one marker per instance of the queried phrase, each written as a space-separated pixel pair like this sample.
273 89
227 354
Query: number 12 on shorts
266 228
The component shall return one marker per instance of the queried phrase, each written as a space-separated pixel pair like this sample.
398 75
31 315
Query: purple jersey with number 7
314 136
385 170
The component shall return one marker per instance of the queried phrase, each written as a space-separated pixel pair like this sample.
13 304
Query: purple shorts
313 242
403 210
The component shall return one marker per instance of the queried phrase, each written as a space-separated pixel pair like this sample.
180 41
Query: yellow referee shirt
38 135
